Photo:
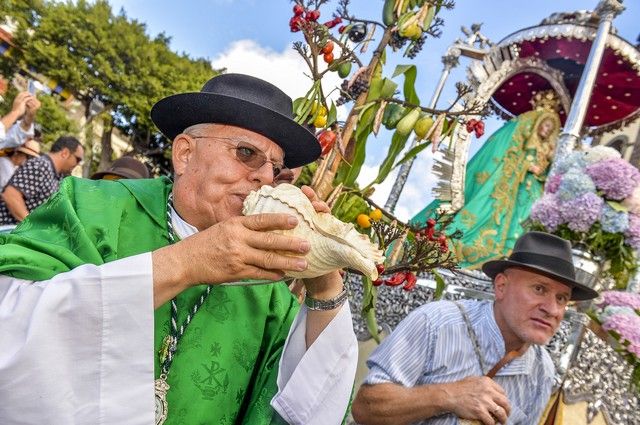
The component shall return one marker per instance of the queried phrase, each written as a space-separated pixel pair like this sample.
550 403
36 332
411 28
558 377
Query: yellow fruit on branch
363 221
422 127
320 121
375 215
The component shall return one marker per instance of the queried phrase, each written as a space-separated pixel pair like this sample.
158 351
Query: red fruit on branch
332 23
479 129
431 223
295 23
471 125
341 29
312 15
442 239
396 279
430 232
298 10
412 279
327 139
444 248
327 48
328 57
377 282
380 268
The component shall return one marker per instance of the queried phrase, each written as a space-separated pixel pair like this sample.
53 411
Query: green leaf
617 206
374 89
398 142
388 88
410 73
440 285
364 129
333 114
413 152
369 298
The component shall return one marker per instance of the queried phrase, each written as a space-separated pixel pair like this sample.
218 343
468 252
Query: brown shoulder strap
511 355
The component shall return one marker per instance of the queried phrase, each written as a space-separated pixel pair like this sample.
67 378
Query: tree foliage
99 55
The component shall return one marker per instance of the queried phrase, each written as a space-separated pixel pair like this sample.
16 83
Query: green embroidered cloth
499 189
226 366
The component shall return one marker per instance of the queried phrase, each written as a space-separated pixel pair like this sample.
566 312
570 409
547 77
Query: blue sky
252 36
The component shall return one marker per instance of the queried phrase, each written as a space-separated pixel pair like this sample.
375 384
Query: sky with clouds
253 37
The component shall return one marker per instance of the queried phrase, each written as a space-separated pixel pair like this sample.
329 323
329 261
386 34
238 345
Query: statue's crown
546 100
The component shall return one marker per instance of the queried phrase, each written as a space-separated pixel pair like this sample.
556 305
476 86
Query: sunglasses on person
247 154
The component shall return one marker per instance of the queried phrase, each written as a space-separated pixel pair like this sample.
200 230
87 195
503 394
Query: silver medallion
162 407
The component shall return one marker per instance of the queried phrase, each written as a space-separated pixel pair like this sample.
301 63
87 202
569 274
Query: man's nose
264 174
553 307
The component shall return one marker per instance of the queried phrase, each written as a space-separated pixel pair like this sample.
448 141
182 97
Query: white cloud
285 69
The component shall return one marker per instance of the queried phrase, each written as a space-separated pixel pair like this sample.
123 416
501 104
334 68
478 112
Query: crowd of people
116 307
28 178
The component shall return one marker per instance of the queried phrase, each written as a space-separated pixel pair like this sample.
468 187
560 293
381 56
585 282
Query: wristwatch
330 304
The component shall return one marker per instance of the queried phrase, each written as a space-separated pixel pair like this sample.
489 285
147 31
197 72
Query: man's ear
499 285
182 152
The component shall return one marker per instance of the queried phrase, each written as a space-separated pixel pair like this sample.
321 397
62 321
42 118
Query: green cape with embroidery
499 190
226 365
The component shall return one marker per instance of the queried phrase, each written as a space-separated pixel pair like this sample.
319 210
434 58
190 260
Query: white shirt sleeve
315 384
15 136
76 348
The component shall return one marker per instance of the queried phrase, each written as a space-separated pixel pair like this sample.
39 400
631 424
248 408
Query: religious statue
503 179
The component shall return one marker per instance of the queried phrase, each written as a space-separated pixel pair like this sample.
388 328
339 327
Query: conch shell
334 244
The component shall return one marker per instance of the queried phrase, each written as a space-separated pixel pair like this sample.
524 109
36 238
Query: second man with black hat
477 360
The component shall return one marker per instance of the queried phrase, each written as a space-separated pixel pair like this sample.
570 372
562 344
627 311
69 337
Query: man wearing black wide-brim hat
104 301
478 360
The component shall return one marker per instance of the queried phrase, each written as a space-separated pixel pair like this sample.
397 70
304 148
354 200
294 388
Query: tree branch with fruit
376 100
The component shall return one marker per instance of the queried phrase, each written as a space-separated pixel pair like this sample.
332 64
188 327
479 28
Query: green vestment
226 364
499 190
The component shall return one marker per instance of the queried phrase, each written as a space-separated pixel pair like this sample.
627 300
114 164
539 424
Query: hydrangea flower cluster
580 213
592 190
614 221
546 211
619 299
632 234
616 178
619 314
575 160
573 184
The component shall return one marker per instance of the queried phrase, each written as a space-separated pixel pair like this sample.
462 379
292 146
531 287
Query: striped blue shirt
432 345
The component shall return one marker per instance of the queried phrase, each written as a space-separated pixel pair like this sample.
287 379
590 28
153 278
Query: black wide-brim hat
546 254
242 101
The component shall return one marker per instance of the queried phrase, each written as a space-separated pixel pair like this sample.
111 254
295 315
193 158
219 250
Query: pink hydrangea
620 299
628 327
553 183
582 212
616 178
632 235
547 212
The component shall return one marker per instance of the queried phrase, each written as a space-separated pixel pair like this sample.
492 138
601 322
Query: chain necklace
170 342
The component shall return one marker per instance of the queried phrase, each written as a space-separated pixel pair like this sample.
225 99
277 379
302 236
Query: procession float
558 85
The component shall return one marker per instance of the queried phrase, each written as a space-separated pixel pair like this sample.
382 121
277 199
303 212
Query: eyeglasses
248 154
